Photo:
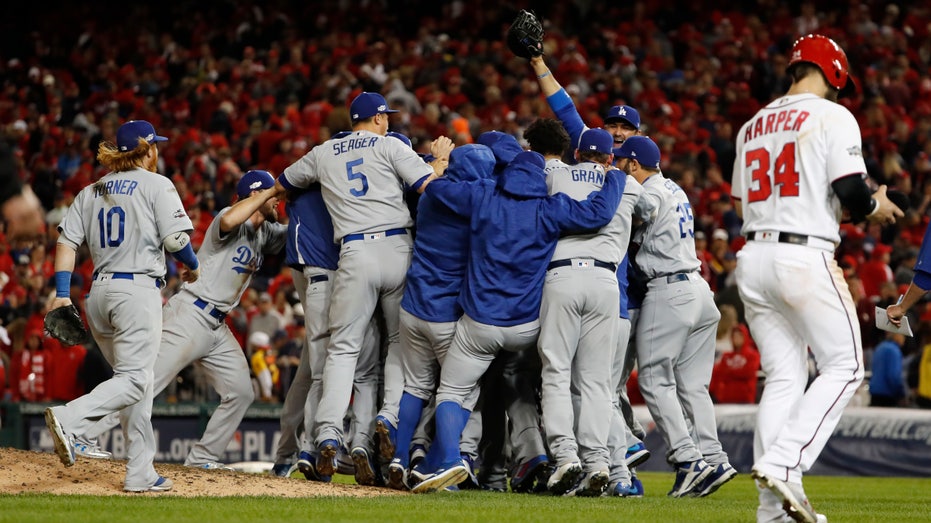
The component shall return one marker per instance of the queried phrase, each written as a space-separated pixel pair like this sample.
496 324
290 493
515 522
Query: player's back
578 181
122 224
361 175
667 240
788 155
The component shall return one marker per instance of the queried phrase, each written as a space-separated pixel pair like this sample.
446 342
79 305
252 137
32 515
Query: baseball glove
525 36
65 325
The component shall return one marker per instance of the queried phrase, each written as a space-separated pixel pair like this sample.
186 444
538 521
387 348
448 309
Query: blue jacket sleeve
455 195
922 276
562 106
593 213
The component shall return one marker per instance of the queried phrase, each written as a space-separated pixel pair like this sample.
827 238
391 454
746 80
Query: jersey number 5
783 174
351 174
114 223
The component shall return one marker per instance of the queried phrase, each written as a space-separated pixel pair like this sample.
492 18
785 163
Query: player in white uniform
193 326
676 328
361 176
127 218
797 161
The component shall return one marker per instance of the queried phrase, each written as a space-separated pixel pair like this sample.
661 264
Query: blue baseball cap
597 140
127 136
642 149
367 105
399 136
624 113
254 181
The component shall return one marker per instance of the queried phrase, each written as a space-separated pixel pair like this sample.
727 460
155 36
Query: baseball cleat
637 487
471 481
688 476
283 470
365 471
162 484
526 473
794 500
387 437
621 489
565 478
88 448
453 474
326 459
636 455
592 485
418 454
397 475
307 464
344 463
720 474
64 445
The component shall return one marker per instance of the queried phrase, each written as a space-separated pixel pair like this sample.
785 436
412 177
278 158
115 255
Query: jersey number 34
766 173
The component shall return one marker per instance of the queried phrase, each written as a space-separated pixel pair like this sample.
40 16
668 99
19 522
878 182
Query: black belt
567 262
210 309
372 235
319 278
130 276
677 277
783 237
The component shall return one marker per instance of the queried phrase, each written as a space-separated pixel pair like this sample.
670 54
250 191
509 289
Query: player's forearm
244 209
545 78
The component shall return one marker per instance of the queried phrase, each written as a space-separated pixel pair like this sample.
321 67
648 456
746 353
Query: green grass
841 499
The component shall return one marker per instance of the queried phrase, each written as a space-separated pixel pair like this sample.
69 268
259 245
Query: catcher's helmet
828 56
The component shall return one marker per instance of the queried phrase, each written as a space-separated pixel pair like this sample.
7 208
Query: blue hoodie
514 229
441 248
310 231
503 145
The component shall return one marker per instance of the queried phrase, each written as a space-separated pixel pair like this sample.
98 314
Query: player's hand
441 147
59 302
188 275
887 212
895 314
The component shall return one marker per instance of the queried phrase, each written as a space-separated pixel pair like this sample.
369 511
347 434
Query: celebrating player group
511 307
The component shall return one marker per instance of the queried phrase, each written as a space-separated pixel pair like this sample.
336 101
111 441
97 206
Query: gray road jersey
667 236
123 218
578 181
227 262
362 176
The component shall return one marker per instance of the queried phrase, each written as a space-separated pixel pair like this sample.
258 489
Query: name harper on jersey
115 187
785 120
344 146
584 175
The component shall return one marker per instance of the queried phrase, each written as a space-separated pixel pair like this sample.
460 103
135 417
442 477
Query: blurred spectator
734 377
876 271
65 379
32 368
267 320
887 383
723 340
921 372
265 375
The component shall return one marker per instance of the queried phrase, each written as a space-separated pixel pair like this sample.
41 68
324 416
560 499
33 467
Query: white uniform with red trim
794 293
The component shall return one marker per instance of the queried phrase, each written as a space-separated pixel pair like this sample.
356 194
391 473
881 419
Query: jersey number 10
114 222
783 174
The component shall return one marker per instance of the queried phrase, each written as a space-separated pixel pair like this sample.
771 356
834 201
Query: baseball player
361 176
676 328
193 328
515 226
312 256
429 308
622 122
128 219
798 159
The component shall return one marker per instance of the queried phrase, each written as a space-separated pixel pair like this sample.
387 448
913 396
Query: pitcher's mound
23 471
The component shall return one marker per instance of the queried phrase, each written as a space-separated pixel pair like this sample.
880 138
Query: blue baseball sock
408 417
449 424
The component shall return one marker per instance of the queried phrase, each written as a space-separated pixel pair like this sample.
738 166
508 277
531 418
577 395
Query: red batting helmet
828 56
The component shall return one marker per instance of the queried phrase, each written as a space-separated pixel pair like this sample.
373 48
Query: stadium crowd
237 85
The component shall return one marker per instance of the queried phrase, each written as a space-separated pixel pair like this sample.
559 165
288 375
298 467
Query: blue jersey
922 276
514 229
441 247
310 231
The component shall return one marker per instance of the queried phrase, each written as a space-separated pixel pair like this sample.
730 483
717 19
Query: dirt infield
24 472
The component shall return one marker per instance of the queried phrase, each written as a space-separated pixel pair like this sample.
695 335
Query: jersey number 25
783 173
